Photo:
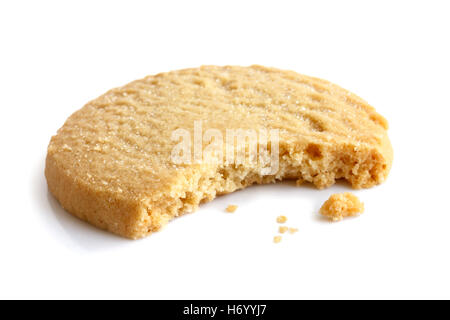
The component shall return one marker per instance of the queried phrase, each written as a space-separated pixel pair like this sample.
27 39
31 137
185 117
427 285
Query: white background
55 56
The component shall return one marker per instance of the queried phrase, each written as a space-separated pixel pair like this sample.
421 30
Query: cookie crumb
293 230
281 219
231 208
282 229
277 239
341 205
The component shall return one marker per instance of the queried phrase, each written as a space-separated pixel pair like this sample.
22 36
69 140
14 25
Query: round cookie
112 163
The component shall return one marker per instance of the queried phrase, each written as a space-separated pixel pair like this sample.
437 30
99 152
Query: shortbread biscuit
110 164
341 205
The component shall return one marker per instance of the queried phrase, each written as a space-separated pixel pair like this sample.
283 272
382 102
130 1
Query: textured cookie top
121 142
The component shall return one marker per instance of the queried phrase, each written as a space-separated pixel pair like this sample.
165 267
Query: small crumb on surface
281 219
277 239
293 230
341 205
282 229
231 208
